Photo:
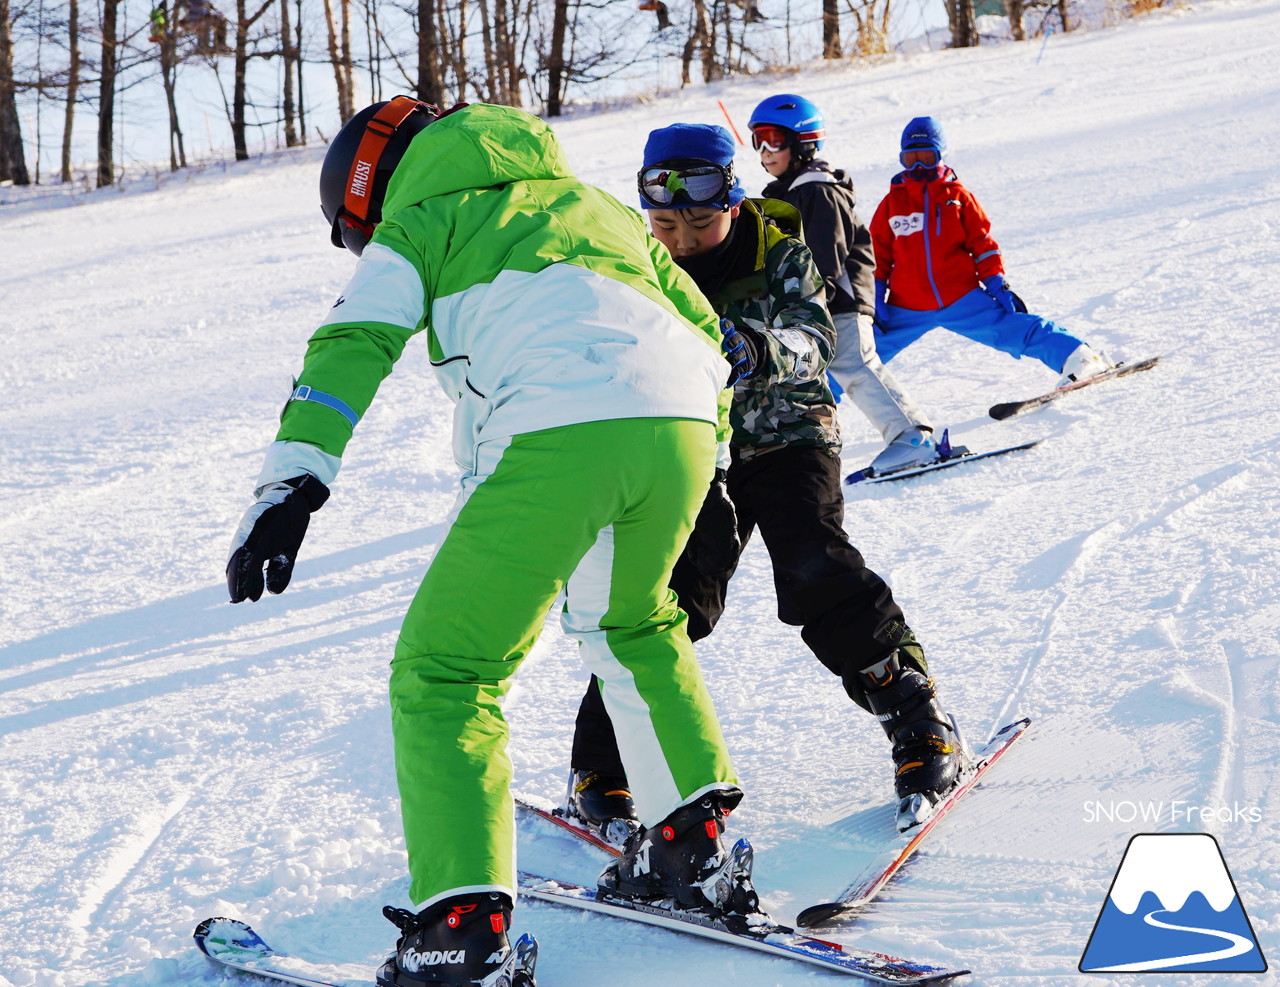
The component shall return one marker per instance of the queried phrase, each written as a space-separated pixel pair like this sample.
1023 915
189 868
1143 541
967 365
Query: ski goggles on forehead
769 138
923 156
685 183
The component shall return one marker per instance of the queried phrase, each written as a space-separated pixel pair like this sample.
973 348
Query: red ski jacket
932 242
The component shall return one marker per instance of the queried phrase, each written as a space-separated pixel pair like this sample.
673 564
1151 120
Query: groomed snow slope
167 757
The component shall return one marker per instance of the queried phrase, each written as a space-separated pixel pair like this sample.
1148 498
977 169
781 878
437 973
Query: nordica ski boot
459 942
928 753
683 861
603 805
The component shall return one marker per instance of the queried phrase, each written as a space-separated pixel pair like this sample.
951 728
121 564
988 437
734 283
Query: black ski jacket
837 238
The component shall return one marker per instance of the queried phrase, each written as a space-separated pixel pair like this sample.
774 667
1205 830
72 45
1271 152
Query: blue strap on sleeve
304 393
981 257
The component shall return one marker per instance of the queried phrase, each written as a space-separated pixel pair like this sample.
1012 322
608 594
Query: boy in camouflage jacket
783 478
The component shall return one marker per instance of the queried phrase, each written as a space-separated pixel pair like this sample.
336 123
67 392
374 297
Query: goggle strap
364 167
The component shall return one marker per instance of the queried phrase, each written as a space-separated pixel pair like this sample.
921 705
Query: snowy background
166 757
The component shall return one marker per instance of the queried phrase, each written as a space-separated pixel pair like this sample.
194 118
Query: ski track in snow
167 757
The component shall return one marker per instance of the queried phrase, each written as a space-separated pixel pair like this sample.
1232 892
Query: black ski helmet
359 163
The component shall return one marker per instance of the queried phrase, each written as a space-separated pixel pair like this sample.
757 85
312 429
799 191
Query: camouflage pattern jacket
766 279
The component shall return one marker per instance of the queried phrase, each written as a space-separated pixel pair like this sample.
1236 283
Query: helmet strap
381 127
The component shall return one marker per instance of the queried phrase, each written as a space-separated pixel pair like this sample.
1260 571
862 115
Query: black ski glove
270 534
744 349
714 545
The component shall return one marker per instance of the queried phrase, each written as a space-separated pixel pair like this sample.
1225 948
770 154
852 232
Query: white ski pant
875 391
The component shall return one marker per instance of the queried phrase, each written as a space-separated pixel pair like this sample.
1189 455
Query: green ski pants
600 510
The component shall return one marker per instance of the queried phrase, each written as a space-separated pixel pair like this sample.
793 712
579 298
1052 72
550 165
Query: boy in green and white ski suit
588 377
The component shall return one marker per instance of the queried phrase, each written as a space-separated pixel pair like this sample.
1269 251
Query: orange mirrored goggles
925 157
771 138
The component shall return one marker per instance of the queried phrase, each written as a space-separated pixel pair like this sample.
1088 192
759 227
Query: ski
776 940
896 853
234 944
951 456
557 817
1011 408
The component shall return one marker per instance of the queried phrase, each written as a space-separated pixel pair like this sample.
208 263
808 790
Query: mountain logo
1172 908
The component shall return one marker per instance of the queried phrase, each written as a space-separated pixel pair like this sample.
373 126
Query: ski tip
228 932
818 914
858 477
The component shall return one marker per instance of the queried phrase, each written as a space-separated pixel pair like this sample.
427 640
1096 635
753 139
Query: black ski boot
603 805
683 860
927 750
458 942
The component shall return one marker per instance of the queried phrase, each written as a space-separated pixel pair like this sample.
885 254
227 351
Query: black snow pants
846 612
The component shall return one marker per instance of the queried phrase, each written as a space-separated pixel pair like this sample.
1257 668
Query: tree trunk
290 54
509 16
709 67
491 86
73 83
107 96
238 84
1062 13
699 39
348 66
555 58
168 75
239 97
13 165
460 52
964 26
1014 9
302 102
345 109
831 47
429 88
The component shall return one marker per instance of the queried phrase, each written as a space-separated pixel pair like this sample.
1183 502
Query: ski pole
720 103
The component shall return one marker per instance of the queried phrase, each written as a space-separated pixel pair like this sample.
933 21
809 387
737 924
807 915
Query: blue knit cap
703 141
924 134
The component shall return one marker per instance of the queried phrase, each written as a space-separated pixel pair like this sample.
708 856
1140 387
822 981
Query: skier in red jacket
938 266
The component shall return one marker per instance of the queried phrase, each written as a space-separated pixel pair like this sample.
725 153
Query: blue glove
882 304
996 287
743 348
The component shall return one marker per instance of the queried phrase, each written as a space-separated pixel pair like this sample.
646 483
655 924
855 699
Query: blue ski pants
979 317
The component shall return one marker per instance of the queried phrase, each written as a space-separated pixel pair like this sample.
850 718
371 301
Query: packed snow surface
167 757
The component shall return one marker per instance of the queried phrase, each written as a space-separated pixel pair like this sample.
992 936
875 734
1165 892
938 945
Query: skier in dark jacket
783 478
788 131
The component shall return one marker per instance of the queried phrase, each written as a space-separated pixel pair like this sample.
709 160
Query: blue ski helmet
924 134
795 113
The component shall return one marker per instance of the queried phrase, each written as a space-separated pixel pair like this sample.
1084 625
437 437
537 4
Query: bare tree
508 56
340 59
429 85
872 20
555 57
1014 8
831 29
164 33
701 38
964 25
107 93
13 165
73 85
239 97
290 54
